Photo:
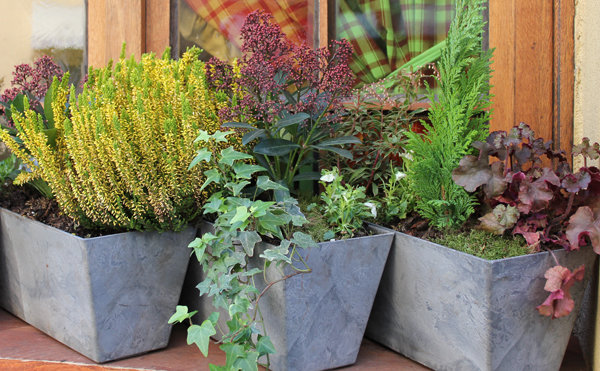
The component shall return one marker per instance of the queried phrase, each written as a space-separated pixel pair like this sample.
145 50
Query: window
43 27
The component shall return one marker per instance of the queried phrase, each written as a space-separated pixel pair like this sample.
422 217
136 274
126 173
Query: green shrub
123 147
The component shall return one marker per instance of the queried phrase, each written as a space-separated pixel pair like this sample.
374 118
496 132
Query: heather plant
380 120
458 116
285 97
542 200
121 153
226 255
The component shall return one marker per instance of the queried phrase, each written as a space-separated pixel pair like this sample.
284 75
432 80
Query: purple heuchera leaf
471 173
573 183
534 196
584 224
559 281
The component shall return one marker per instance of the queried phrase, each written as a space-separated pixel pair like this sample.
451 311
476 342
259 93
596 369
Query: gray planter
317 320
107 297
452 311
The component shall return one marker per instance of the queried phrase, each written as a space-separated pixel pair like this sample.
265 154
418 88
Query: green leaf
249 239
48 98
252 272
202 137
245 171
181 314
240 305
200 335
292 120
263 182
278 253
275 147
213 318
221 136
248 362
328 235
303 240
342 152
212 176
350 139
259 208
264 346
250 136
229 155
242 125
236 188
213 205
241 215
202 155
307 175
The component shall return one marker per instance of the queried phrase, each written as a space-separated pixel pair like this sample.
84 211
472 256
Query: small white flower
407 155
328 178
371 206
400 175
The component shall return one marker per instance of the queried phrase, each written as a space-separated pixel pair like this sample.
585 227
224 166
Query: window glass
386 34
42 27
214 25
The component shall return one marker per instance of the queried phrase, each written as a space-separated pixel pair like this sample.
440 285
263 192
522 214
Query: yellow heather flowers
121 155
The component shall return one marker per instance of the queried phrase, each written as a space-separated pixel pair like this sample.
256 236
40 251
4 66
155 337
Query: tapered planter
106 297
316 320
452 311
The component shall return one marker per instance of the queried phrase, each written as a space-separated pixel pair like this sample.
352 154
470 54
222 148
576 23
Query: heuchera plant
541 199
286 97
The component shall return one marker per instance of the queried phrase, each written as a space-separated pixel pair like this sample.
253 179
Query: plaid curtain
386 34
227 16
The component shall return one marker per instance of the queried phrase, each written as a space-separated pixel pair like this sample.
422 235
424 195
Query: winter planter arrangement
112 167
453 311
106 297
316 321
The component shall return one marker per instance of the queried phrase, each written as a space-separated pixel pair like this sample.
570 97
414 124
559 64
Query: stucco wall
587 70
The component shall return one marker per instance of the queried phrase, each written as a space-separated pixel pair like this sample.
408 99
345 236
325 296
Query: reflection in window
386 34
214 25
43 27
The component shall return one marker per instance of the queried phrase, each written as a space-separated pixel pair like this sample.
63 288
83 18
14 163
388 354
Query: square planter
106 297
453 311
316 320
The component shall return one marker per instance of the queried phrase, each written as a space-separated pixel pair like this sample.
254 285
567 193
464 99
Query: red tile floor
22 347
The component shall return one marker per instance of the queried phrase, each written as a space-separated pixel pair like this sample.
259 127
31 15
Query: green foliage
484 244
396 200
344 207
380 121
241 221
8 168
118 157
458 117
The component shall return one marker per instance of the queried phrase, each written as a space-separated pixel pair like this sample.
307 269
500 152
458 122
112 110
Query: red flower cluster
33 79
278 76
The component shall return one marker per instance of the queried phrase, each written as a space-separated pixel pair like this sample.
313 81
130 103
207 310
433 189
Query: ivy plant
242 219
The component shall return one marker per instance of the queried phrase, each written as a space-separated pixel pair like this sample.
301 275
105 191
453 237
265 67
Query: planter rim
467 255
72 235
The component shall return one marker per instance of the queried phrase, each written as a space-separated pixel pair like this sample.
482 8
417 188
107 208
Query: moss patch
483 244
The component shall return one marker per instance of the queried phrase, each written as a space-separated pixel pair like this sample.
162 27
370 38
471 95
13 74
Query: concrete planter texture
452 311
316 320
106 297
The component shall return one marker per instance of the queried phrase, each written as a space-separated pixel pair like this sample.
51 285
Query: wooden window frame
533 80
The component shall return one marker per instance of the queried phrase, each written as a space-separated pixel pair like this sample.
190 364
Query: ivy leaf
584 224
278 253
202 155
212 176
500 219
248 362
202 137
559 281
236 187
249 239
203 287
181 314
229 155
264 346
240 305
241 215
303 240
245 171
263 182
200 335
214 204
221 136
